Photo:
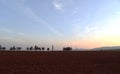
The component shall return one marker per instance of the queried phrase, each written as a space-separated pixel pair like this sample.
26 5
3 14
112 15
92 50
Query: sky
74 23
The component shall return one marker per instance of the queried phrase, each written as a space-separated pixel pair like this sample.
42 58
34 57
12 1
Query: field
60 62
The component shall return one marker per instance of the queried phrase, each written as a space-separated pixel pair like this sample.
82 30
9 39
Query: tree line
33 48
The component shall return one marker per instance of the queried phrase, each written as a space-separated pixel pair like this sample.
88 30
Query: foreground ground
59 62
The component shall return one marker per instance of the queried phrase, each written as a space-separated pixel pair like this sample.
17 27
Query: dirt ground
60 62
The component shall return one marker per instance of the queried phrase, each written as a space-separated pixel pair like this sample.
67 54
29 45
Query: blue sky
76 23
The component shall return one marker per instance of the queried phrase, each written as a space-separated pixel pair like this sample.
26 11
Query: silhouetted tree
14 48
3 48
43 48
31 48
35 47
11 48
48 49
28 48
39 48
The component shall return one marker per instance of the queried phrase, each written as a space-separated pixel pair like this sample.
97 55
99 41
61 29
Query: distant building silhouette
19 48
67 49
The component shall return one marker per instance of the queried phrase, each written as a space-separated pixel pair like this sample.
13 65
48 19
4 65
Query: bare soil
60 62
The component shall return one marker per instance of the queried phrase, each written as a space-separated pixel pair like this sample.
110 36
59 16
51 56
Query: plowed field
60 62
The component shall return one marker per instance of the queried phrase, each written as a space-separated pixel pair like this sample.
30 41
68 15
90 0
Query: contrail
31 14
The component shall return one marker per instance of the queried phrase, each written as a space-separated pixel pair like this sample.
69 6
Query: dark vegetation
2 48
60 62
33 48
67 49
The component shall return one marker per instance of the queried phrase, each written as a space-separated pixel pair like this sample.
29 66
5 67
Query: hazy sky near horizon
76 23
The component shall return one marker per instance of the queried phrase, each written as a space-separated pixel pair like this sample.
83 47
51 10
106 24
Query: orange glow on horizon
93 43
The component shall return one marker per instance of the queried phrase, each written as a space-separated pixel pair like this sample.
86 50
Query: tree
31 48
48 49
14 48
43 48
39 48
3 48
28 48
11 48
35 47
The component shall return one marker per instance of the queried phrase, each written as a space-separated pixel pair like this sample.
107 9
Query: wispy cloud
62 5
29 12
12 32
9 36
58 5
84 31
5 30
20 33
106 29
75 11
118 12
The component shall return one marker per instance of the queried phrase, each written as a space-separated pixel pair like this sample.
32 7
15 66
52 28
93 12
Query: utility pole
52 47
0 47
